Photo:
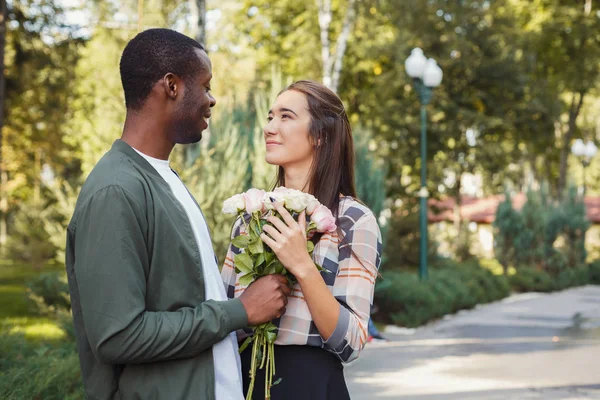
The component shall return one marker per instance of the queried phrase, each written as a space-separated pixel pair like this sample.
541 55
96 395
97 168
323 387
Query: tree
40 56
3 178
565 47
332 63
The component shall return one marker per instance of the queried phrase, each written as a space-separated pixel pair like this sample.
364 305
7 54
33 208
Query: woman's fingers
284 214
273 233
277 223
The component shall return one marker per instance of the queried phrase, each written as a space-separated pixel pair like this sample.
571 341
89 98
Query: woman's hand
287 239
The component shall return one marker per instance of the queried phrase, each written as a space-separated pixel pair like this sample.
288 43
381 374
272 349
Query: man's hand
265 299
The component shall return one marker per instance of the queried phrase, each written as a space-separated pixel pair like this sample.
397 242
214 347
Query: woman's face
287 134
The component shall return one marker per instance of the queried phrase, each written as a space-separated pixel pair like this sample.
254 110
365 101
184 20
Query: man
150 311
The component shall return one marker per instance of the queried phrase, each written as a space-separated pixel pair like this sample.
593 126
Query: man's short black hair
151 55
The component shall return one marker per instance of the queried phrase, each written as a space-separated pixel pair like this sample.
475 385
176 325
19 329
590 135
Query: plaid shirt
353 261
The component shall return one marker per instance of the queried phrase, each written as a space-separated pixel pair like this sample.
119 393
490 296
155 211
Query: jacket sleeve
359 260
110 265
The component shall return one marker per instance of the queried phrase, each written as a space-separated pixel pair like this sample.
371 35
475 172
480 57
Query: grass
37 359
16 315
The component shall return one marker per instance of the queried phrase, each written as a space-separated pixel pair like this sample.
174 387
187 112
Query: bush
572 277
531 280
594 271
404 300
49 293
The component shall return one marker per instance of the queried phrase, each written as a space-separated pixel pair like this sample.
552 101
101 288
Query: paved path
529 346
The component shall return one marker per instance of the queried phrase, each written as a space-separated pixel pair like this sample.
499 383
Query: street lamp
426 75
585 152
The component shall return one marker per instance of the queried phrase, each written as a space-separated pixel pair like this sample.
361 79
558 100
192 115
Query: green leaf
259 355
269 256
247 279
241 241
277 382
270 270
256 247
321 269
260 260
246 343
271 336
279 268
270 327
256 230
243 262
310 246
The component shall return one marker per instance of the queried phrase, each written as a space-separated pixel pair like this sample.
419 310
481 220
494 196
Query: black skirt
306 372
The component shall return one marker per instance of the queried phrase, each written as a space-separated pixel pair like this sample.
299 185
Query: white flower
278 196
296 200
234 204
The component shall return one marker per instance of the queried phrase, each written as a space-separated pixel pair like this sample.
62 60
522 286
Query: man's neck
144 134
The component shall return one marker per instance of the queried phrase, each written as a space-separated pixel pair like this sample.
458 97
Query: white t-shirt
228 378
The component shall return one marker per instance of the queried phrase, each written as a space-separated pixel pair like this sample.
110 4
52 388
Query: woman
309 137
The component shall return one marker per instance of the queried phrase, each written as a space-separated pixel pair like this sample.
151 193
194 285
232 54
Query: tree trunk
458 204
324 15
588 7
3 173
332 64
140 22
198 8
564 151
341 45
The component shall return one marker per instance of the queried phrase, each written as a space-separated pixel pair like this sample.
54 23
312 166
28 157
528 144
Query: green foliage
543 234
405 300
507 226
595 272
40 55
403 237
31 371
219 172
572 277
529 241
369 174
30 243
49 293
531 279
35 360
569 221
462 245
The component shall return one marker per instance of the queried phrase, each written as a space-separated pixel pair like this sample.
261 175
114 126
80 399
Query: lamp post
585 152
426 75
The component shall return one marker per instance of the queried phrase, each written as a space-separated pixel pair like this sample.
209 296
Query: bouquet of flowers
256 259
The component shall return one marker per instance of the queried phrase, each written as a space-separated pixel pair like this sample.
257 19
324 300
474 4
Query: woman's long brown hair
332 170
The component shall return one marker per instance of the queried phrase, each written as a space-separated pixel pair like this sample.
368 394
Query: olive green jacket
144 329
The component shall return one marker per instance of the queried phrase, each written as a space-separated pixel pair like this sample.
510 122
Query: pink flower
324 219
313 203
254 200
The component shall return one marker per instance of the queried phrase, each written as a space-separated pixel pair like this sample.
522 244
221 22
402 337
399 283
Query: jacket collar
122 147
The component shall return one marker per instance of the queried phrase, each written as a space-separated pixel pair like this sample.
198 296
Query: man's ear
171 84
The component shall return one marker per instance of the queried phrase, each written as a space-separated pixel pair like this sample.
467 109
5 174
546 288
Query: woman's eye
284 116
269 119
